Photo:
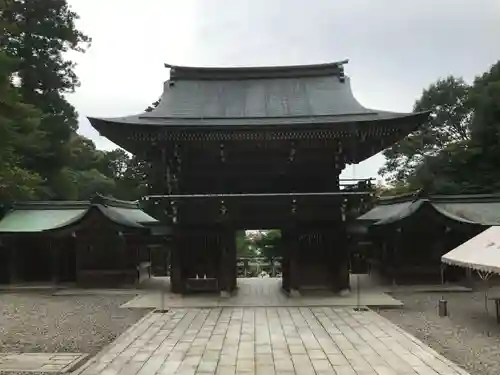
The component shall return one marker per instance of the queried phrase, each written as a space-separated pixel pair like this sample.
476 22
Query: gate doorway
259 253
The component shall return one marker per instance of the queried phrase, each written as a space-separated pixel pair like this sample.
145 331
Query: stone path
39 362
258 292
268 341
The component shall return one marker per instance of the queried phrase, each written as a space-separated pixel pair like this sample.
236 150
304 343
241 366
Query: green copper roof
286 95
125 216
31 217
35 220
383 212
474 213
481 209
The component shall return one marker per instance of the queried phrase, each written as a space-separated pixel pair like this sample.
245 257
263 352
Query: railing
258 267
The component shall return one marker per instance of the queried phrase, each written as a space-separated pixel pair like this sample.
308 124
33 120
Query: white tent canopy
481 253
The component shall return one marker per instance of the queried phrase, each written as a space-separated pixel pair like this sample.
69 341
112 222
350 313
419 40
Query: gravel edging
86 364
469 336
40 322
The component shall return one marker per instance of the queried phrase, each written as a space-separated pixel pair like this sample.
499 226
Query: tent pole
442 304
485 277
486 295
442 280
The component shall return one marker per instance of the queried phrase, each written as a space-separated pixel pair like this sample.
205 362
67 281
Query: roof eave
407 120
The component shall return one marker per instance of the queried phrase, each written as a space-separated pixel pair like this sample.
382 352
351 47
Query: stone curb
106 348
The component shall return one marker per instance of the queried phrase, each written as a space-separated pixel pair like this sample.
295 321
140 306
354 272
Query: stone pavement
268 341
259 292
39 362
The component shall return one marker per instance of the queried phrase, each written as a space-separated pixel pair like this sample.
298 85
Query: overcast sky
395 47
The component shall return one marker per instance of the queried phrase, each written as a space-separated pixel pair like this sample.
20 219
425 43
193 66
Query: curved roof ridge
56 205
69 204
114 202
255 72
400 198
442 198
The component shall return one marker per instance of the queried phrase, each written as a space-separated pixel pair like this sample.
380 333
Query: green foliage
449 123
41 155
458 151
19 138
269 244
392 190
485 99
115 164
91 182
37 34
245 247
17 183
131 182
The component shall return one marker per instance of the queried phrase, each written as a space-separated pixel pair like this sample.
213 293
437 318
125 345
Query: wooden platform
258 292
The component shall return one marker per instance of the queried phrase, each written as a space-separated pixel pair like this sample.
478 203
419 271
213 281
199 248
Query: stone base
345 292
294 293
225 294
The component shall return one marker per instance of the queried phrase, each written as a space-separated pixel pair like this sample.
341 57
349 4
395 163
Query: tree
468 164
36 34
478 162
485 99
92 182
243 245
392 190
132 184
448 99
84 155
116 163
19 133
268 244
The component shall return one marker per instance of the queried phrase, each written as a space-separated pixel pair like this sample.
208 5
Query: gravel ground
42 323
469 337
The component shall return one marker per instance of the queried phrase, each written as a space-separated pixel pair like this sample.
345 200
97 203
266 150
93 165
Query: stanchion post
357 291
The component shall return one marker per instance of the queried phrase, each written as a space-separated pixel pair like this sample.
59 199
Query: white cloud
396 48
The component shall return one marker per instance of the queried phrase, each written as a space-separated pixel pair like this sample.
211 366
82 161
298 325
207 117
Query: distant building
408 234
99 242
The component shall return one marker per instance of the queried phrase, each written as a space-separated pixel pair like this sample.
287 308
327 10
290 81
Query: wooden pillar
13 260
285 264
177 280
294 263
227 263
342 283
166 252
329 238
55 261
396 262
78 258
291 282
232 263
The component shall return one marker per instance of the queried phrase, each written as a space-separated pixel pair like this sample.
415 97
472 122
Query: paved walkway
39 362
268 341
260 292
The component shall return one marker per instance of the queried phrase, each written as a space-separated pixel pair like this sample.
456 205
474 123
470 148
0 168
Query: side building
407 235
101 242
